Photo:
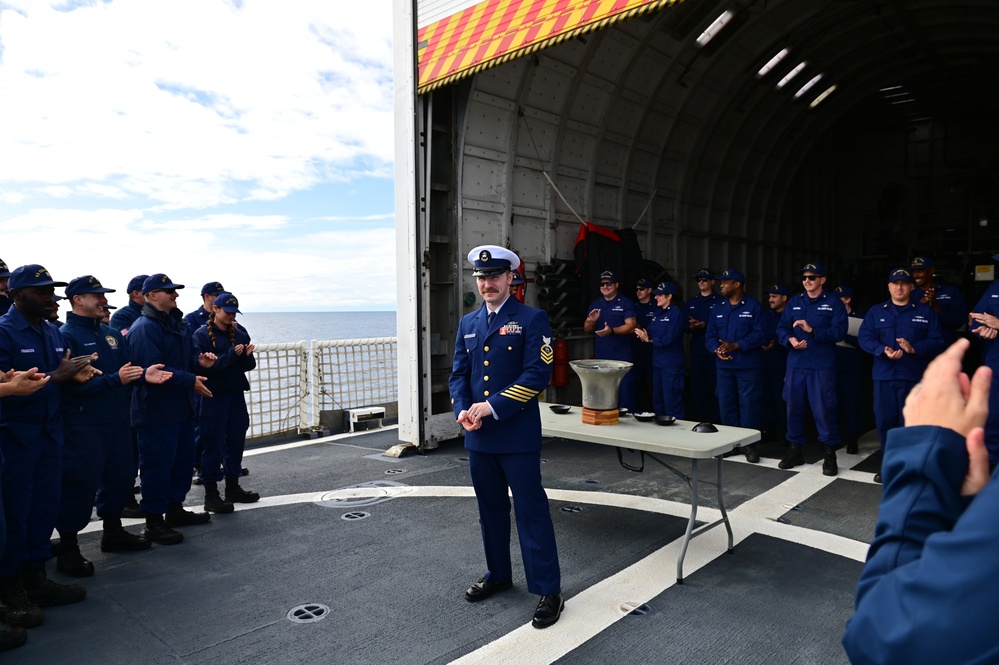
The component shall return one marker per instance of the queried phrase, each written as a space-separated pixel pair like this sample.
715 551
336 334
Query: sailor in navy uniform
5 300
944 299
736 332
985 324
903 335
199 317
812 323
851 376
703 375
502 361
127 315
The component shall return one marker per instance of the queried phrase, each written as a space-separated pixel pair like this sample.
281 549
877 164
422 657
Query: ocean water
276 327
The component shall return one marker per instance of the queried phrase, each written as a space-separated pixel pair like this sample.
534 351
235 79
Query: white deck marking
598 607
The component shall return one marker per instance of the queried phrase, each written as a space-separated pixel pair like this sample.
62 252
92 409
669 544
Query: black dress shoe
484 588
549 610
877 477
752 456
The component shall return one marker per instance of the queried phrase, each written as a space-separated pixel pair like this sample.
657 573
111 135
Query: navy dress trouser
521 472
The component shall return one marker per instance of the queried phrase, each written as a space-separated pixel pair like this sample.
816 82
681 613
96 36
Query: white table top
677 439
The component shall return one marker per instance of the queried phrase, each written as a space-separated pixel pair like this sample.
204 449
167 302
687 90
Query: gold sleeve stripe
519 393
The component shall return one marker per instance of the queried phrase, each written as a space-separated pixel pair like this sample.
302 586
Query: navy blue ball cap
608 276
644 284
733 274
779 289
665 289
4 270
518 279
31 275
212 288
111 306
85 284
228 302
817 268
705 273
135 284
900 275
844 291
921 263
492 260
159 282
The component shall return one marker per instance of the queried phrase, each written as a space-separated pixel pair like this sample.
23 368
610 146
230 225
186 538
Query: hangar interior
758 135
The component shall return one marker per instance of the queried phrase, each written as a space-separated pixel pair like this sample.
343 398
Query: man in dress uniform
123 319
502 361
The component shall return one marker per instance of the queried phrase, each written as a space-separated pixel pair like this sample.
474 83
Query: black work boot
13 637
116 539
43 592
132 510
752 456
214 502
852 442
158 532
829 467
236 494
15 608
793 458
177 516
70 560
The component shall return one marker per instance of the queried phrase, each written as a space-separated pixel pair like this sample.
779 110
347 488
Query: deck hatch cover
308 613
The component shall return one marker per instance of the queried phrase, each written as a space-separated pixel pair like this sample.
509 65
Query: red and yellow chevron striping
495 31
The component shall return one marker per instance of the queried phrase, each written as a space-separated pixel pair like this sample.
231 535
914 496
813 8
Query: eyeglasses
603 284
809 278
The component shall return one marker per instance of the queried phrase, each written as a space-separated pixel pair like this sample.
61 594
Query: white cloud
196 102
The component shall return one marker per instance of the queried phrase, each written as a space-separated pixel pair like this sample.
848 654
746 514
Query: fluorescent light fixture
715 27
808 86
825 93
890 87
773 62
791 74
902 101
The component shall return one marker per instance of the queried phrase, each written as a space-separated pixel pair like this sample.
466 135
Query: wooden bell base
597 417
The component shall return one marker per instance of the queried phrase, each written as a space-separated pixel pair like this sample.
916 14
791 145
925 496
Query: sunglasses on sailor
809 278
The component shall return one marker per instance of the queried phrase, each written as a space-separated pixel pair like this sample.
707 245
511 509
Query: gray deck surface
394 580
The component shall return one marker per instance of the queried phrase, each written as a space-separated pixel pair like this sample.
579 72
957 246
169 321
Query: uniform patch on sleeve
547 355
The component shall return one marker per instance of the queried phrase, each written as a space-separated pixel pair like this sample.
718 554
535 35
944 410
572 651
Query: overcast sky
249 142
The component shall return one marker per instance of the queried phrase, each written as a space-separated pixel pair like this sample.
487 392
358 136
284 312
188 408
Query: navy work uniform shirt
158 337
228 375
103 399
666 335
123 319
699 307
742 323
614 313
23 346
826 314
196 319
915 322
951 308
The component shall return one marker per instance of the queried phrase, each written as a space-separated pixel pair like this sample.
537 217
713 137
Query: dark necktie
489 319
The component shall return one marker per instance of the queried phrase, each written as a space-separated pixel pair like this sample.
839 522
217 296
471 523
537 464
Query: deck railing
294 382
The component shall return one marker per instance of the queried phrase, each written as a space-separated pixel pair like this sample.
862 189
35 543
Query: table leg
721 507
690 523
